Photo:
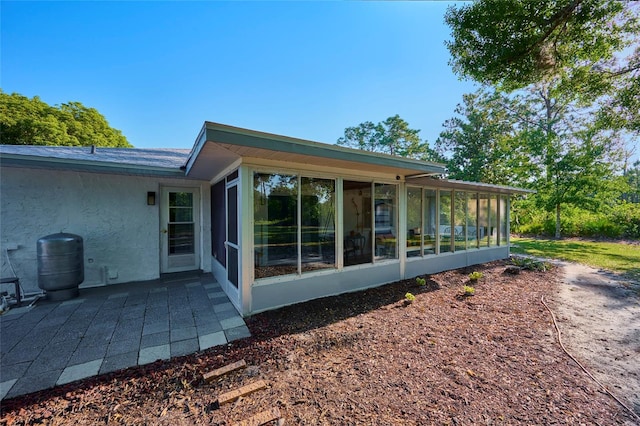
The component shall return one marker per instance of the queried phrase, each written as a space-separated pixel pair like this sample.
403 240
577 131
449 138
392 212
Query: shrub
475 275
530 264
621 220
628 216
468 290
409 298
421 281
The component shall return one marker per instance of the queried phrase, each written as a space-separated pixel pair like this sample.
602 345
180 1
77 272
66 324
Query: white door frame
170 263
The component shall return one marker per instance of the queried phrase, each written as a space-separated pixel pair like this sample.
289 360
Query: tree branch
559 18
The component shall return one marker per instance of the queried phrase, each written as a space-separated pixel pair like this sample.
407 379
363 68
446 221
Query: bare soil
369 358
599 315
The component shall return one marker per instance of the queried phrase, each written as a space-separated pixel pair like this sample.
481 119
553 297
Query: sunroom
294 220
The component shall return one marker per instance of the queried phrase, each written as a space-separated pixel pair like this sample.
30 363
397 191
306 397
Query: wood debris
242 391
263 418
219 372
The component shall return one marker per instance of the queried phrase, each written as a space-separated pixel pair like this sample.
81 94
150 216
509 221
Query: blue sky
158 70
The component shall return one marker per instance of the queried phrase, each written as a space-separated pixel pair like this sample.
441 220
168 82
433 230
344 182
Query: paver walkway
111 328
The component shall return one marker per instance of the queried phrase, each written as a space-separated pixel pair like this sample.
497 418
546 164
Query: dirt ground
599 315
370 358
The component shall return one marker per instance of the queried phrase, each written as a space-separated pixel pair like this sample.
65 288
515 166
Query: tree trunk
558 221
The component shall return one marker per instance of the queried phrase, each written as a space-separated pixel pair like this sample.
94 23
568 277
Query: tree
589 47
540 138
571 91
622 110
511 44
391 136
632 178
478 143
25 121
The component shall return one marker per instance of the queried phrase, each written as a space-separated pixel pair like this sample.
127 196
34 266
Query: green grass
616 257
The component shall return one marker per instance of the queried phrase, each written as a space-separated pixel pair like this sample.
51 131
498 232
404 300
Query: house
276 220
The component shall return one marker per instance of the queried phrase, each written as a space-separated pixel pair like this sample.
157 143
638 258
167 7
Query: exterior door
180 225
232 243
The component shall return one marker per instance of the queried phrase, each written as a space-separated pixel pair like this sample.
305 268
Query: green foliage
530 264
475 275
468 290
391 136
513 44
572 161
409 298
478 142
541 138
25 121
421 281
627 215
622 109
617 257
631 176
574 99
618 221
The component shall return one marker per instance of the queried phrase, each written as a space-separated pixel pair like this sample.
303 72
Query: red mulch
363 358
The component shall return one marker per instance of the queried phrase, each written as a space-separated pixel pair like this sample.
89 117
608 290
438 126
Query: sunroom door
180 225
232 243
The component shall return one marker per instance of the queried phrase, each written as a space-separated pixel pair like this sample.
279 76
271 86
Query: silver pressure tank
60 265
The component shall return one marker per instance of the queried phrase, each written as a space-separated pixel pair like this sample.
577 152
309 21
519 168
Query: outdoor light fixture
151 198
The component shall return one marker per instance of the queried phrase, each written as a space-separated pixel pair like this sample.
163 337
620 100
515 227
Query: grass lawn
617 257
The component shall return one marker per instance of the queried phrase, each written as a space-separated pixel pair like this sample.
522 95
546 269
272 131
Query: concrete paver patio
111 328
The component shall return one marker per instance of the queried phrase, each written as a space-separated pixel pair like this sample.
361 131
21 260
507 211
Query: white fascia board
197 148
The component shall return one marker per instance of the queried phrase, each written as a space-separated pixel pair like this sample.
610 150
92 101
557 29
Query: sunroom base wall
448 261
301 289
273 295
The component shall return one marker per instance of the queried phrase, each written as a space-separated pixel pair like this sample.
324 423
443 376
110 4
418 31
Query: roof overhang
218 146
466 186
36 162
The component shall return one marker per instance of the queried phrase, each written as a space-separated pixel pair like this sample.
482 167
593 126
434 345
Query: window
460 220
370 223
493 220
181 224
483 220
414 221
445 230
504 217
357 220
317 224
275 210
472 220
430 218
386 243
282 201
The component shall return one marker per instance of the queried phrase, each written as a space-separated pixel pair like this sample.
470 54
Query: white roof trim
224 134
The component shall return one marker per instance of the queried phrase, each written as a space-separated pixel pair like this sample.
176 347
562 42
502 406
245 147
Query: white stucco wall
120 231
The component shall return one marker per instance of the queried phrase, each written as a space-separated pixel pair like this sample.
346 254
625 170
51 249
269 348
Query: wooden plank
262 418
212 375
242 391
